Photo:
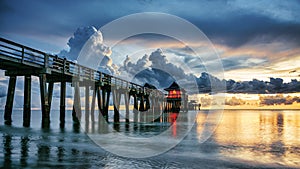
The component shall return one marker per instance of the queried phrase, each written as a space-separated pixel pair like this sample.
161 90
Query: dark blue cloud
226 22
238 30
229 63
238 62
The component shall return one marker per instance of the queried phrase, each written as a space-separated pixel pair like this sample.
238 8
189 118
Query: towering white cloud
87 48
76 42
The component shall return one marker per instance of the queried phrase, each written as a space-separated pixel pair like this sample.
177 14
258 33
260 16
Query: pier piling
76 113
10 99
62 102
135 108
93 104
44 101
87 104
27 101
116 103
126 99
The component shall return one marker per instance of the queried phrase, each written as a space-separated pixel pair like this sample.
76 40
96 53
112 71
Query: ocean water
239 139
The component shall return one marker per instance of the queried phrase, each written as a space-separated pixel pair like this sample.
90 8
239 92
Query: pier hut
175 97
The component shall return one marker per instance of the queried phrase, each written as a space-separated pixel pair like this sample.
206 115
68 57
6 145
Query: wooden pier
19 60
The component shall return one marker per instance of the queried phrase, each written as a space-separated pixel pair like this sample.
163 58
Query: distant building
194 105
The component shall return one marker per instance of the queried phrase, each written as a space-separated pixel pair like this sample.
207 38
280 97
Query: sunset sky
257 39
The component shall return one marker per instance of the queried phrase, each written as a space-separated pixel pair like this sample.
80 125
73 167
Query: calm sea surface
242 139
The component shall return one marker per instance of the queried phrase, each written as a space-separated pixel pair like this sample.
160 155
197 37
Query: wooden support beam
62 114
157 110
135 109
44 101
95 90
142 109
105 102
87 104
161 107
50 93
76 113
147 99
116 100
152 109
27 101
100 101
147 113
127 98
10 99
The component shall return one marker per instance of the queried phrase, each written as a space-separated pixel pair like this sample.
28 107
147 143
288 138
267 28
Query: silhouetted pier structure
19 60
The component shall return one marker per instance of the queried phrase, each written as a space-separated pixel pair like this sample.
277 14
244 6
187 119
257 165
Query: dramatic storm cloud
87 48
255 40
75 43
275 85
155 69
231 23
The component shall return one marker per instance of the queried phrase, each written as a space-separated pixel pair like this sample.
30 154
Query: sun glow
252 101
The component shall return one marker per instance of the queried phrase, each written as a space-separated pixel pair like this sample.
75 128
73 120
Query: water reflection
147 129
7 149
65 145
262 136
24 150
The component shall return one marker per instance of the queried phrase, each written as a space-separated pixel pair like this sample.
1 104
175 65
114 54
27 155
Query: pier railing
15 52
20 60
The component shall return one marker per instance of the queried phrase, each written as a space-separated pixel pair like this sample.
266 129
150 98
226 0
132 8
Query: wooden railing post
23 54
64 65
46 60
